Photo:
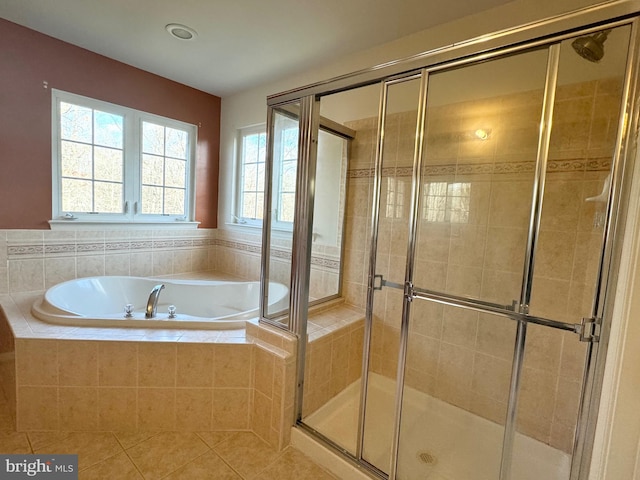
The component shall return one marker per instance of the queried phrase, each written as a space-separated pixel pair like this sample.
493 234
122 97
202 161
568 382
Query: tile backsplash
34 260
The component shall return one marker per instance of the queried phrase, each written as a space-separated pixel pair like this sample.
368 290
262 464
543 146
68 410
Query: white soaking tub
199 304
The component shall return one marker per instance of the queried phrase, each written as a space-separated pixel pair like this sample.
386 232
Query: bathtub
199 304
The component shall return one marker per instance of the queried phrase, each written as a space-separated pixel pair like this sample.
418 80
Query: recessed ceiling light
181 32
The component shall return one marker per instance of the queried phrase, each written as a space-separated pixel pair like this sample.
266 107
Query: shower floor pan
438 441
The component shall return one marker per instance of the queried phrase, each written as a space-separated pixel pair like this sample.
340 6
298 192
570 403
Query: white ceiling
240 43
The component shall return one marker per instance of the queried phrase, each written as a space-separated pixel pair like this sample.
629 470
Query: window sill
119 225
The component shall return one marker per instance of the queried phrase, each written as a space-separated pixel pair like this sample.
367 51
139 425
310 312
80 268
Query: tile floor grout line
191 460
129 456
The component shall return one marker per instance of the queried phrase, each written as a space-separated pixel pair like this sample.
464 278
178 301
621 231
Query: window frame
132 166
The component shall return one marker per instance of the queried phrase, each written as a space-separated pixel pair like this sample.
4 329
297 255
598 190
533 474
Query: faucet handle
128 310
172 311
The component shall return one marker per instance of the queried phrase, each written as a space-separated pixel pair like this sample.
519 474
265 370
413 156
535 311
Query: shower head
591 47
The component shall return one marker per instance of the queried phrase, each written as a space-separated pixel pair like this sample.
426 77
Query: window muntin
113 163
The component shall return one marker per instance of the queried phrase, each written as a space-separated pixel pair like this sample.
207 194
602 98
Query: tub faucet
152 303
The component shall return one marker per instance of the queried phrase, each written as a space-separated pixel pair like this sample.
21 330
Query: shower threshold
438 441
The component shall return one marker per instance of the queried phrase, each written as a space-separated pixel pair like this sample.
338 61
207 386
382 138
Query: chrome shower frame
549 32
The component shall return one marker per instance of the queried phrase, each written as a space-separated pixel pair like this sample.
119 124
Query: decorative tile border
570 165
55 248
19 251
279 253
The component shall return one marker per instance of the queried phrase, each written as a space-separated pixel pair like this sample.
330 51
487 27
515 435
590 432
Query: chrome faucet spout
152 303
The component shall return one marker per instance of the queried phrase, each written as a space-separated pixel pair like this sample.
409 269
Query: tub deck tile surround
94 379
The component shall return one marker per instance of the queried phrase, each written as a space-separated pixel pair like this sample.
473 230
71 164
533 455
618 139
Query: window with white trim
252 157
252 143
116 164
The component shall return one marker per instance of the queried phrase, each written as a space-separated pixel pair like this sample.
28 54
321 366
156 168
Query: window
116 164
252 157
253 145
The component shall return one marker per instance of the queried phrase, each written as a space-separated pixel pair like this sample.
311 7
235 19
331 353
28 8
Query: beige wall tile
573 357
264 367
157 364
231 408
506 248
195 365
261 416
489 408
89 265
464 281
460 327
562 203
510 203
117 409
36 362
37 408
117 264
78 407
496 336
554 254
567 401
58 270
232 366
77 363
162 262
500 287
467 244
319 360
423 353
117 364
340 363
543 349
26 275
549 298
536 403
156 409
141 264
455 370
193 409
491 377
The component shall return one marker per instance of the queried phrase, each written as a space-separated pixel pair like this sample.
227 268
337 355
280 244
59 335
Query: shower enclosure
483 201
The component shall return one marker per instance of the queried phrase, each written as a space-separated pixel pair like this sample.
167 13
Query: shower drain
427 458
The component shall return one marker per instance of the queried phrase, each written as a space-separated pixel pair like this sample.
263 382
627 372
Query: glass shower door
472 219
510 216
395 159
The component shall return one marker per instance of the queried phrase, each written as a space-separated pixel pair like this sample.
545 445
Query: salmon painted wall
27 59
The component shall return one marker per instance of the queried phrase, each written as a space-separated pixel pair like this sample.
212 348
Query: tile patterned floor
164 455
169 455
